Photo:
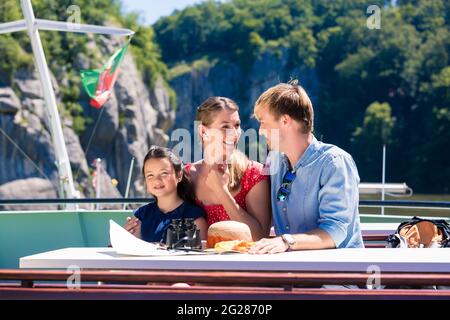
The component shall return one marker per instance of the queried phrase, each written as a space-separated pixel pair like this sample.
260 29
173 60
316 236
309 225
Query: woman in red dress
228 185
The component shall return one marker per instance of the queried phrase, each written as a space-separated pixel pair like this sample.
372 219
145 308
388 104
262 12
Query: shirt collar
307 155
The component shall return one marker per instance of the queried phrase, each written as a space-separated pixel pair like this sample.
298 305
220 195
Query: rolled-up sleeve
338 197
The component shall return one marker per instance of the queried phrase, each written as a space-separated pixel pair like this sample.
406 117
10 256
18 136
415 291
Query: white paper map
125 243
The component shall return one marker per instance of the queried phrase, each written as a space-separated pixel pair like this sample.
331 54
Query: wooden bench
216 293
281 279
128 284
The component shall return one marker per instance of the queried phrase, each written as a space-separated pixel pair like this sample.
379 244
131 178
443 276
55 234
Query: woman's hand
133 226
217 179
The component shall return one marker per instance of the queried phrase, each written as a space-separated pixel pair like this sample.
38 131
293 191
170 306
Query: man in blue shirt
314 186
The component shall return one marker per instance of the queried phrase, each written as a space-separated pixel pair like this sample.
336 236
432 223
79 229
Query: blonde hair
291 99
238 162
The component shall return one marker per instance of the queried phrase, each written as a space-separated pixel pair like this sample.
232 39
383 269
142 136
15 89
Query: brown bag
424 234
421 233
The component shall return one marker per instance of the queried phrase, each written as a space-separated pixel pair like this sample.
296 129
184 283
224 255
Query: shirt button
284 209
287 227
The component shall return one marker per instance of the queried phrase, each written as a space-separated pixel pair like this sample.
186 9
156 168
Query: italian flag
98 83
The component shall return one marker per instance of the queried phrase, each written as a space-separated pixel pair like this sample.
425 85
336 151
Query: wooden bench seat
28 277
215 293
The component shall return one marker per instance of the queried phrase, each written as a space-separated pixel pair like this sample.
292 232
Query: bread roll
227 231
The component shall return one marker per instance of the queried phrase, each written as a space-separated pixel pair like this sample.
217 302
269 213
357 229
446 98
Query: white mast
32 25
62 158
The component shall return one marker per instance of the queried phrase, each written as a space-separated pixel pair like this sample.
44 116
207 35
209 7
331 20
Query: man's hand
274 245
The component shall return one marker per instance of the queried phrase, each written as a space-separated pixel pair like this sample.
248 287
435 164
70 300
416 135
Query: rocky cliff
135 117
241 83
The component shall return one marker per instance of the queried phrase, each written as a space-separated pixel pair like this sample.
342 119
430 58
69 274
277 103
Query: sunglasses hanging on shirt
285 188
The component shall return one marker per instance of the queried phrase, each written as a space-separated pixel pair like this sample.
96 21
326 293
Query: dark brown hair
185 189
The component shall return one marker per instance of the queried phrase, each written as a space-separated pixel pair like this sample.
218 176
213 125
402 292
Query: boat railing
362 203
406 204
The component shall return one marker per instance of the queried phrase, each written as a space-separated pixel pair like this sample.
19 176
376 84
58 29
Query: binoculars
183 233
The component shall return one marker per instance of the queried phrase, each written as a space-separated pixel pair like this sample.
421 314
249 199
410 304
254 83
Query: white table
354 260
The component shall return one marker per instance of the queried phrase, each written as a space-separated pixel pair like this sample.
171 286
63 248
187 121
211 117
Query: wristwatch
289 240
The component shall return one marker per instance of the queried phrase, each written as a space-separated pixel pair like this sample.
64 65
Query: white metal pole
383 177
43 24
98 165
62 158
128 182
13 26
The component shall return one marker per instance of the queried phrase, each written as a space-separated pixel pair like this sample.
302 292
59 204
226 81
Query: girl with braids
228 186
165 180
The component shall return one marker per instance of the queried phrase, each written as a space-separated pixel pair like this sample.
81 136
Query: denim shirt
323 195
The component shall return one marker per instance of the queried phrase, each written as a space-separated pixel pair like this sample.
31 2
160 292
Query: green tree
303 47
375 132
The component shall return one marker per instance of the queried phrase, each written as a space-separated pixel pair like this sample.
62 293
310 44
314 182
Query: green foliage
146 53
303 46
237 30
184 68
403 63
368 139
441 84
122 119
378 124
12 58
201 64
406 64
178 70
10 10
62 48
12 54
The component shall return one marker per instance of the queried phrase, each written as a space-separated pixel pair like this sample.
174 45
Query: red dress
216 212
